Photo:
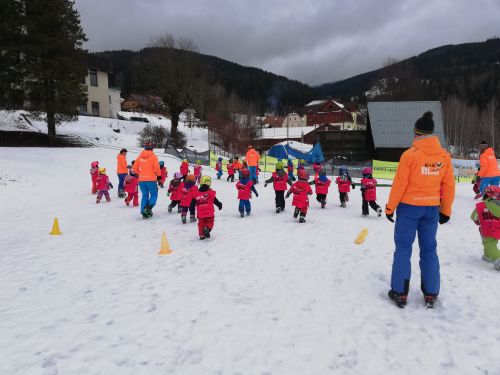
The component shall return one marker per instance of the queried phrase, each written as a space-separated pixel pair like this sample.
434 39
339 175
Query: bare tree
489 120
174 68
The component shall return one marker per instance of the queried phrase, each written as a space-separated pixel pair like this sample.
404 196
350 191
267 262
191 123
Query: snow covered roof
281 133
392 122
315 102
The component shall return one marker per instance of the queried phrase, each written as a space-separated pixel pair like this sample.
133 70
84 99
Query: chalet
102 100
272 121
321 112
144 103
294 120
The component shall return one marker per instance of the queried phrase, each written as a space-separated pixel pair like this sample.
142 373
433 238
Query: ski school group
421 197
192 192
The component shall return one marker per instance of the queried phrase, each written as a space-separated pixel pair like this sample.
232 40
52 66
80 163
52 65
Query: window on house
93 77
95 109
109 99
83 109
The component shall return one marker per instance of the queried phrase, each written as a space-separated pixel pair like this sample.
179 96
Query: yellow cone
55 228
165 247
361 236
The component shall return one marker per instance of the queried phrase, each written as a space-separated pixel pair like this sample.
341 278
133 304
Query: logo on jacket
431 169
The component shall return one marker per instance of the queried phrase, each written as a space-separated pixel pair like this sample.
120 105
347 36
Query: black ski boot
430 300
323 204
183 218
302 219
278 210
398 298
296 213
170 208
148 210
206 232
242 213
192 219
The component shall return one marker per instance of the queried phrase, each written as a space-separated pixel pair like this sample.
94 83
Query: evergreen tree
54 60
11 37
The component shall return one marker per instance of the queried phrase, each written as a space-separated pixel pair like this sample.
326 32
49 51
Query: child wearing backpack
487 216
369 193
205 199
322 184
344 183
280 180
175 192
301 191
131 186
245 187
186 204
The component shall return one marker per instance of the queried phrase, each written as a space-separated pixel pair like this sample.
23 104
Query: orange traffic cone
361 236
55 228
165 247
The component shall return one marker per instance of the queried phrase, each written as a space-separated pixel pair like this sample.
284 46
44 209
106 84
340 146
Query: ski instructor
146 166
416 197
252 157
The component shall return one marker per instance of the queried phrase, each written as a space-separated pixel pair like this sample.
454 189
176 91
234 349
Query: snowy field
265 295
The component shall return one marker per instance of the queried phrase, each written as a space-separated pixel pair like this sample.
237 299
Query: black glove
265 185
287 195
390 217
353 186
111 185
256 194
443 218
158 178
220 206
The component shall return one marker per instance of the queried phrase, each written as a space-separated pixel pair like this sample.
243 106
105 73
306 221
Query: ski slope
265 295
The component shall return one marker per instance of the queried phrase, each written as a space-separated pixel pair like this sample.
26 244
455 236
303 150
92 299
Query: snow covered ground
102 131
265 295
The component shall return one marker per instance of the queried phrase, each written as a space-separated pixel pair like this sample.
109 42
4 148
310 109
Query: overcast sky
315 41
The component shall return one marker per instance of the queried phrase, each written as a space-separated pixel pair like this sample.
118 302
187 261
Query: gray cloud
315 42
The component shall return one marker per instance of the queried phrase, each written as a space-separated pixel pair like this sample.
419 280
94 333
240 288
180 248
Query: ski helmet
302 174
190 178
279 165
343 171
220 159
492 192
94 164
162 163
367 170
198 162
205 180
322 172
184 160
102 170
177 175
245 173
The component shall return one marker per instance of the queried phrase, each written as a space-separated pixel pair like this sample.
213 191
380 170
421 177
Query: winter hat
123 150
148 146
425 124
483 145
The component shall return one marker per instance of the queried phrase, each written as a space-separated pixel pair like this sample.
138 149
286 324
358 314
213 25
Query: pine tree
11 37
54 60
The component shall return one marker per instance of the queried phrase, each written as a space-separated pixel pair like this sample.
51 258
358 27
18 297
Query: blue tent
285 151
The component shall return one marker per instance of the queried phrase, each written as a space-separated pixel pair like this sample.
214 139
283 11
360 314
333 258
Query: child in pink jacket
369 193
230 171
197 171
131 186
175 192
187 203
245 187
184 169
103 185
301 191
94 173
344 183
164 174
322 184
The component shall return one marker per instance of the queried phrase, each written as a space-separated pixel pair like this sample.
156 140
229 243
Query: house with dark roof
390 126
144 103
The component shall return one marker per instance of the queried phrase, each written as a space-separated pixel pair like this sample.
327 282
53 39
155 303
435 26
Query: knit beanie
483 145
425 124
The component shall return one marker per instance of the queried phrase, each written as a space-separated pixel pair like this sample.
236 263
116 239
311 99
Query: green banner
384 169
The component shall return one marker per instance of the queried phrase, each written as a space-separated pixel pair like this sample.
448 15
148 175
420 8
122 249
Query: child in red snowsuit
205 200
245 187
280 180
187 202
322 183
131 186
175 192
184 169
197 171
103 185
344 183
161 179
94 173
230 171
301 191
369 193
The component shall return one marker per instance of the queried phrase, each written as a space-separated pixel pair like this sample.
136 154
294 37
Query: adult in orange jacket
147 167
121 170
488 170
423 171
252 157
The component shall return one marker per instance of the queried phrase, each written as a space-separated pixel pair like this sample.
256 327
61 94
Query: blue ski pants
149 191
410 221
253 173
219 173
245 206
291 177
487 181
121 179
